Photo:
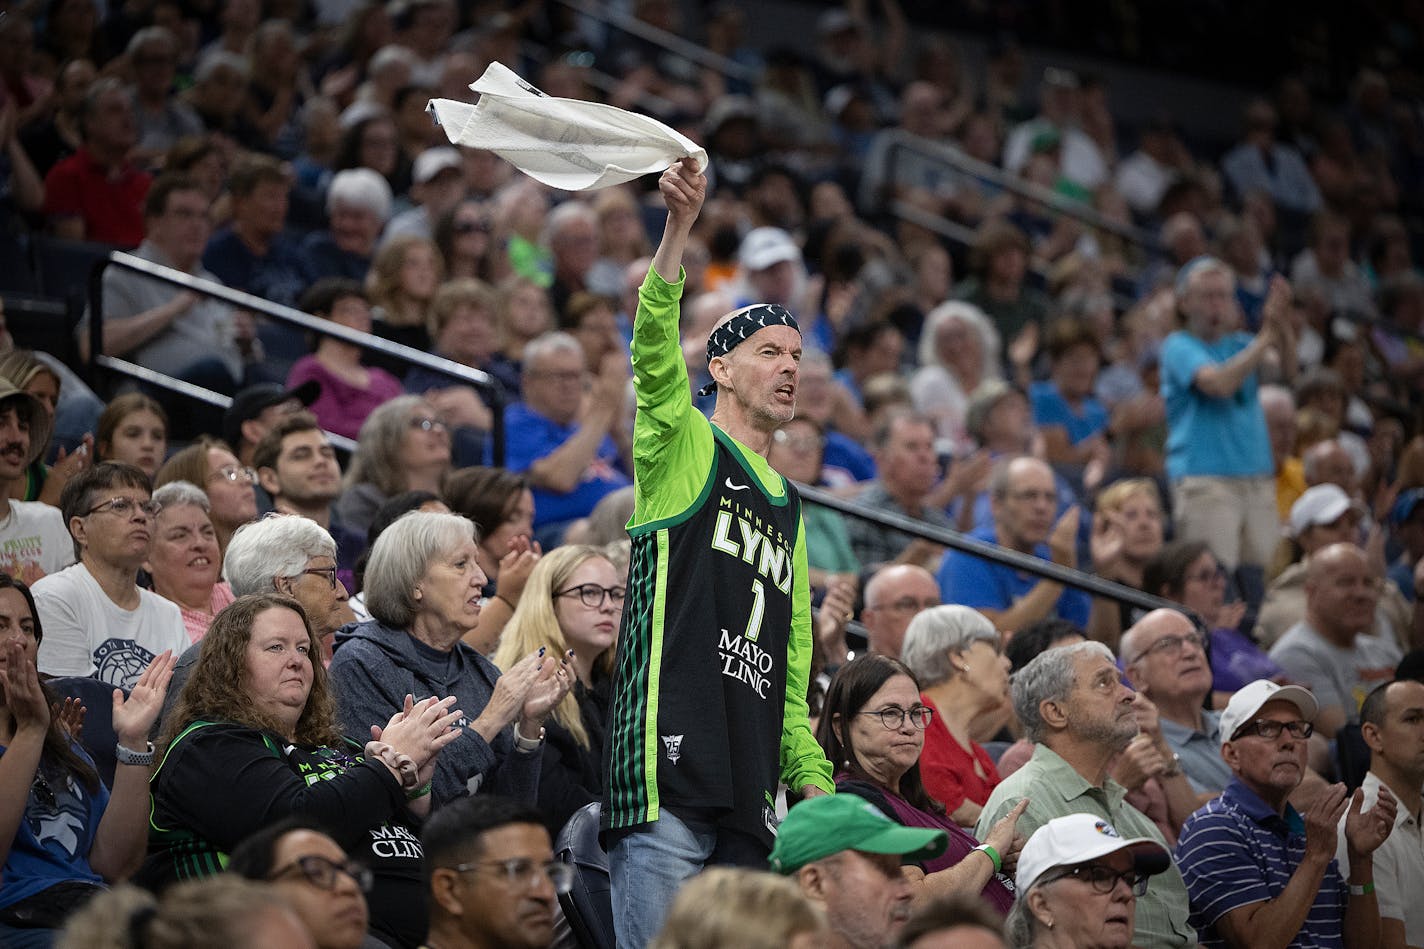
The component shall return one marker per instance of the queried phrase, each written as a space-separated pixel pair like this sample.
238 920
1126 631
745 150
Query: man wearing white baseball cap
1078 883
1322 516
1259 872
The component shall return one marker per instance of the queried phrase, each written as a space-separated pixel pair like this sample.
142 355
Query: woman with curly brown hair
253 738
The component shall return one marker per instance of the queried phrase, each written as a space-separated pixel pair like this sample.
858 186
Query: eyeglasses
521 871
1207 576
1104 879
1271 730
797 442
906 604
592 595
234 474
328 572
1032 496
1174 645
558 375
893 716
123 507
322 873
426 424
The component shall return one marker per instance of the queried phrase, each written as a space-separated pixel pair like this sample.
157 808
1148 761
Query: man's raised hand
684 188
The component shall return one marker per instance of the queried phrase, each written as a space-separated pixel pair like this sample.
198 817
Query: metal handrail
900 140
1087 582
163 381
669 41
487 384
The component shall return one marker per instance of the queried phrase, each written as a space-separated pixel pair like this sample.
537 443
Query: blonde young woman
404 276
572 605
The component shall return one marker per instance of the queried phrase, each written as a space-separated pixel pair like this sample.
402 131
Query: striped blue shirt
1236 850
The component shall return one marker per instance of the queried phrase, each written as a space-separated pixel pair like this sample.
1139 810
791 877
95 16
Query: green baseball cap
822 826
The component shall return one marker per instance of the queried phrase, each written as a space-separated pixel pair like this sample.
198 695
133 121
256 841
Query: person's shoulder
159 605
64 582
29 513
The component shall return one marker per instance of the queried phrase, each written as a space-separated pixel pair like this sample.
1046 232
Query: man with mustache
1259 872
33 541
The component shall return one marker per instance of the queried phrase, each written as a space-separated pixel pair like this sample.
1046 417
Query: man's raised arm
684 189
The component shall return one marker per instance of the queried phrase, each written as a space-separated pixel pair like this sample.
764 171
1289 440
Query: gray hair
388 55
935 633
378 446
546 345
999 479
278 545
150 35
958 311
360 188
1049 677
180 493
401 556
220 59
562 216
1022 926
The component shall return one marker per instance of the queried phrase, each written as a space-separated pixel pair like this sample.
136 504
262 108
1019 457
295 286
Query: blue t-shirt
846 454
280 276
1050 408
322 258
52 844
531 436
1223 437
972 581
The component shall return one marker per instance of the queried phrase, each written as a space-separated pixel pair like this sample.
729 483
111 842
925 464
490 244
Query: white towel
565 143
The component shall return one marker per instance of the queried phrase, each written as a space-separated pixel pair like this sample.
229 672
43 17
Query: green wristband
417 793
1361 889
993 856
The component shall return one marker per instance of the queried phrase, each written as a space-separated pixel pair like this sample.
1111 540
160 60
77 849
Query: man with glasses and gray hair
98 622
492 875
1080 716
1164 657
895 595
1259 872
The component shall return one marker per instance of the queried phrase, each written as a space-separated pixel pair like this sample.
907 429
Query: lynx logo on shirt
740 532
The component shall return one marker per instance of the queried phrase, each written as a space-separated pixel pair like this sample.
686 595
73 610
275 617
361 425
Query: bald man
894 596
1331 650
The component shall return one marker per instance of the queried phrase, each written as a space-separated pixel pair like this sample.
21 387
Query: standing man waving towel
709 706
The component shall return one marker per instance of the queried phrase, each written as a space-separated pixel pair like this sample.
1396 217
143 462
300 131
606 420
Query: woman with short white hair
184 561
957 655
959 350
423 587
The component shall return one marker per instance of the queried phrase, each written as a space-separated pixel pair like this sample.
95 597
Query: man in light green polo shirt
1073 706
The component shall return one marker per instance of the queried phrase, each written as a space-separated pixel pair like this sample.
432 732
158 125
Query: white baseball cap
1322 504
432 161
1078 838
765 246
1249 700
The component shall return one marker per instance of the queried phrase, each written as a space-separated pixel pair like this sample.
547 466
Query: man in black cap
257 408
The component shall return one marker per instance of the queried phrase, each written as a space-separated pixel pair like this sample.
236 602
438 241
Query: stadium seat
98 736
588 905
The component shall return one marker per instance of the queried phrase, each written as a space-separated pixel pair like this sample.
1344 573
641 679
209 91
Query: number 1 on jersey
758 609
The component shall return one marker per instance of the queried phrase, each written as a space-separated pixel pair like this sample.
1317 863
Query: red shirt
947 770
111 206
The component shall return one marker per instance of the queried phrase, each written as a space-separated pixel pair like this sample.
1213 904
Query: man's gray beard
1116 735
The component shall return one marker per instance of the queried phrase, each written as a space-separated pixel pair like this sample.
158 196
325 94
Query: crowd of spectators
1191 367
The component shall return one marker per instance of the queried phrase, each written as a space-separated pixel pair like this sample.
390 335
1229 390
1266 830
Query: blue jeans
649 864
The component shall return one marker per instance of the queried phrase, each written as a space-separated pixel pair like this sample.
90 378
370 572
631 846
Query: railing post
96 320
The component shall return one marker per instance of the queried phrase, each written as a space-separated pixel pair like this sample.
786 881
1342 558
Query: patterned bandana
741 327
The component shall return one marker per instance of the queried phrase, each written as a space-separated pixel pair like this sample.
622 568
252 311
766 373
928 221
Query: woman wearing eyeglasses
572 604
229 485
63 834
873 730
183 558
404 446
253 738
1078 885
312 872
423 588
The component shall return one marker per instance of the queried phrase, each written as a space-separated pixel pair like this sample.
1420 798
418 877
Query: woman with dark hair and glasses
873 730
1186 572
63 834
311 871
572 604
423 590
1078 884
